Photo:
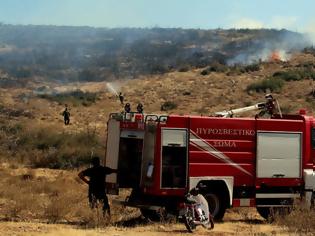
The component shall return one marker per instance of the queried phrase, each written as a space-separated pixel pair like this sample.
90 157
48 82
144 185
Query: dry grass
61 198
58 197
300 221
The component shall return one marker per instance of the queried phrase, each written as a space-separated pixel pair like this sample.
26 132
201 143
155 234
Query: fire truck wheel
264 212
153 215
269 213
216 205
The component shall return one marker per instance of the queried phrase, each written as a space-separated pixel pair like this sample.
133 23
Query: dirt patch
226 228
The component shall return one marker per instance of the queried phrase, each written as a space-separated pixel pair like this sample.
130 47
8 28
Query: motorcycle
191 213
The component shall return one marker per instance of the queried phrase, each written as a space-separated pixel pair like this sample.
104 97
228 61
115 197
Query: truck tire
264 212
269 213
217 206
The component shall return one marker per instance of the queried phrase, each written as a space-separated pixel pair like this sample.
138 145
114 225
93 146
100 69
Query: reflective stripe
244 202
277 195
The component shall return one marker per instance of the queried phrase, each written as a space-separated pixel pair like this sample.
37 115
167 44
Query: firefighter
127 108
66 116
140 108
121 98
202 204
269 106
96 181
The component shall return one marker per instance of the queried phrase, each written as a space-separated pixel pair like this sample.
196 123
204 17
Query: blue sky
296 15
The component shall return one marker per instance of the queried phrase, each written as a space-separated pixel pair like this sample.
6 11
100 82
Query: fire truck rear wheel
264 212
216 205
269 213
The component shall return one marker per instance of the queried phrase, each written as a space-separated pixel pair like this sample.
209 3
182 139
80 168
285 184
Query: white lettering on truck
234 132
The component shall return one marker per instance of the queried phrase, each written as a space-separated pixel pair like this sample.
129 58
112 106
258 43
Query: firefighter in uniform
140 108
121 98
127 108
66 116
96 181
269 108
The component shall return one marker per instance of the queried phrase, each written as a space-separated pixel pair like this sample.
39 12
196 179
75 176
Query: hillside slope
192 93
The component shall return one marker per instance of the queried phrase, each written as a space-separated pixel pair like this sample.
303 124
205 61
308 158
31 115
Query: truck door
279 154
174 158
148 155
123 152
112 151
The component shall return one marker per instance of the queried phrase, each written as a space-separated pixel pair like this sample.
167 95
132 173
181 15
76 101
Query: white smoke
310 32
247 23
283 55
279 49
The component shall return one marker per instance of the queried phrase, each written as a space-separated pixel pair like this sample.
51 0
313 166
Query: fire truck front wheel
216 204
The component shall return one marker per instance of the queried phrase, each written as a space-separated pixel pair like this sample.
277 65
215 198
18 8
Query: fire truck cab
242 162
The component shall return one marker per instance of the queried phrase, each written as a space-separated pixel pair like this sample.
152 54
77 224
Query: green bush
183 69
288 75
308 74
204 72
76 97
252 67
45 146
217 67
272 84
168 105
295 75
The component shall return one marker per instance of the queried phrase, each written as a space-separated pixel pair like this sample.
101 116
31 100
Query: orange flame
275 56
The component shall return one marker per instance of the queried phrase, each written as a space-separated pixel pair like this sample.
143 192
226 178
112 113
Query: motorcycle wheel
189 222
209 225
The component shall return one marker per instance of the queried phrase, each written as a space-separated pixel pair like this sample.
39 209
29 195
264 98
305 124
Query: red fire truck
241 162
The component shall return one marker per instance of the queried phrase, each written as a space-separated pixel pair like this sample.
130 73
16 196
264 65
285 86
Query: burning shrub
168 105
272 84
